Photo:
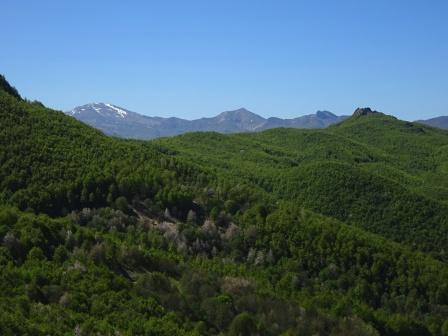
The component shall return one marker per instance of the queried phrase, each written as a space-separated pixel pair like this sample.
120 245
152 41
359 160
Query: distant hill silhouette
439 122
114 120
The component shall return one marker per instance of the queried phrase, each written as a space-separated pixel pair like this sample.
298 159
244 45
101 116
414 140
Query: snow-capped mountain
100 110
118 121
115 120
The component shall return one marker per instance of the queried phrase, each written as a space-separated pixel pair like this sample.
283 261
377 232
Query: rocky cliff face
363 111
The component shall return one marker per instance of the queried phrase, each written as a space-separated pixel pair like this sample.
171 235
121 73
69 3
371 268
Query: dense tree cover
53 164
208 234
384 175
6 87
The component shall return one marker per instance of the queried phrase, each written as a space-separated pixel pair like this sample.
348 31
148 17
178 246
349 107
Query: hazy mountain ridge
439 122
118 121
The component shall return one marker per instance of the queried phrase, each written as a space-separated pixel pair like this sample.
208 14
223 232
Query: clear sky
198 58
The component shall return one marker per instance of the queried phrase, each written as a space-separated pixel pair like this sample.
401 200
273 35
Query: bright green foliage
376 172
340 231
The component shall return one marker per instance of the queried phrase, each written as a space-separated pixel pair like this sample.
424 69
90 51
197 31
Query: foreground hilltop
332 231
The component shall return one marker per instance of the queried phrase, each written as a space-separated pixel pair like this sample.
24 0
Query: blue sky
198 58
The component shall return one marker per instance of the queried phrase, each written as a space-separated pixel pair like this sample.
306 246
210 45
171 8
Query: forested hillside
379 173
341 231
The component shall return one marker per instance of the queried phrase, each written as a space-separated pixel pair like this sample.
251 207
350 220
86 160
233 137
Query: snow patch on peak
122 113
97 109
102 109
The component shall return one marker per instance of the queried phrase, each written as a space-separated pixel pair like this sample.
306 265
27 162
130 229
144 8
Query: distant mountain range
439 122
115 120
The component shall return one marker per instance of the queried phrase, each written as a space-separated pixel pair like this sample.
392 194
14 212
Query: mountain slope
439 122
114 120
199 234
371 170
320 119
6 87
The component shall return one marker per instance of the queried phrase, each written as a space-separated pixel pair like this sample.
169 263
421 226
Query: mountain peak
115 120
239 114
240 111
238 120
102 109
363 111
325 115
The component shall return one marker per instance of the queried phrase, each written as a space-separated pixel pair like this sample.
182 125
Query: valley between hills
341 230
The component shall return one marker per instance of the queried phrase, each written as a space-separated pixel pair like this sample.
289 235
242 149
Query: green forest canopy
337 231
